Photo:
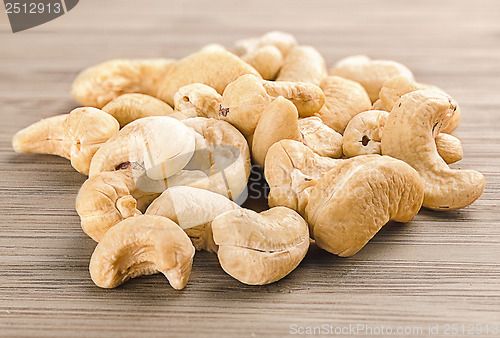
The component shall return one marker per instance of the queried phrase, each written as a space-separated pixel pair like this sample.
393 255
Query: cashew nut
303 64
75 136
322 139
370 73
378 105
259 249
142 245
97 85
196 100
130 107
215 68
352 201
344 99
283 41
364 133
193 210
290 169
245 99
409 135
394 88
267 60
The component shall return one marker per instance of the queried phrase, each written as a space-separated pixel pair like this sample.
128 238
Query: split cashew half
409 135
351 202
322 139
142 245
363 135
245 99
267 60
370 73
130 107
76 136
193 210
213 67
97 85
303 64
344 99
262 248
196 100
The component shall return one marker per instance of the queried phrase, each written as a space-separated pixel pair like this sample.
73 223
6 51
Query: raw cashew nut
322 139
193 210
344 99
364 134
394 88
130 107
290 169
245 99
259 249
267 60
161 145
108 198
97 85
278 121
215 68
370 73
378 105
409 135
196 100
303 64
283 41
142 245
75 136
352 201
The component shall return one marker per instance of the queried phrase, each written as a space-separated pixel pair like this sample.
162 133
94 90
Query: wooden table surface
440 269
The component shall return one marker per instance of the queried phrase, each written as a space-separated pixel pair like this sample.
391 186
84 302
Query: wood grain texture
443 267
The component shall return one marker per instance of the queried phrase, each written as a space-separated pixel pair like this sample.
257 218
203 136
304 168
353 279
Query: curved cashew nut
344 99
142 245
214 67
267 60
370 73
283 41
245 99
378 105
196 100
409 136
262 248
394 88
97 85
193 210
364 134
76 136
130 107
161 145
106 199
322 139
291 168
303 64
352 201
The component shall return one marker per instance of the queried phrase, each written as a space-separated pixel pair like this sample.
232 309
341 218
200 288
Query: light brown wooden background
440 268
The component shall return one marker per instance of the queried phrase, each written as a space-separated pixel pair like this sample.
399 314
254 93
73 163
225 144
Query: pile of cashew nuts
168 148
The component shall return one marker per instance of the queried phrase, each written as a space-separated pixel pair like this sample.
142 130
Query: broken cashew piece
394 88
130 107
245 99
409 135
196 100
267 60
193 210
97 85
370 73
76 136
213 67
322 139
303 64
344 99
260 248
352 201
364 134
142 245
